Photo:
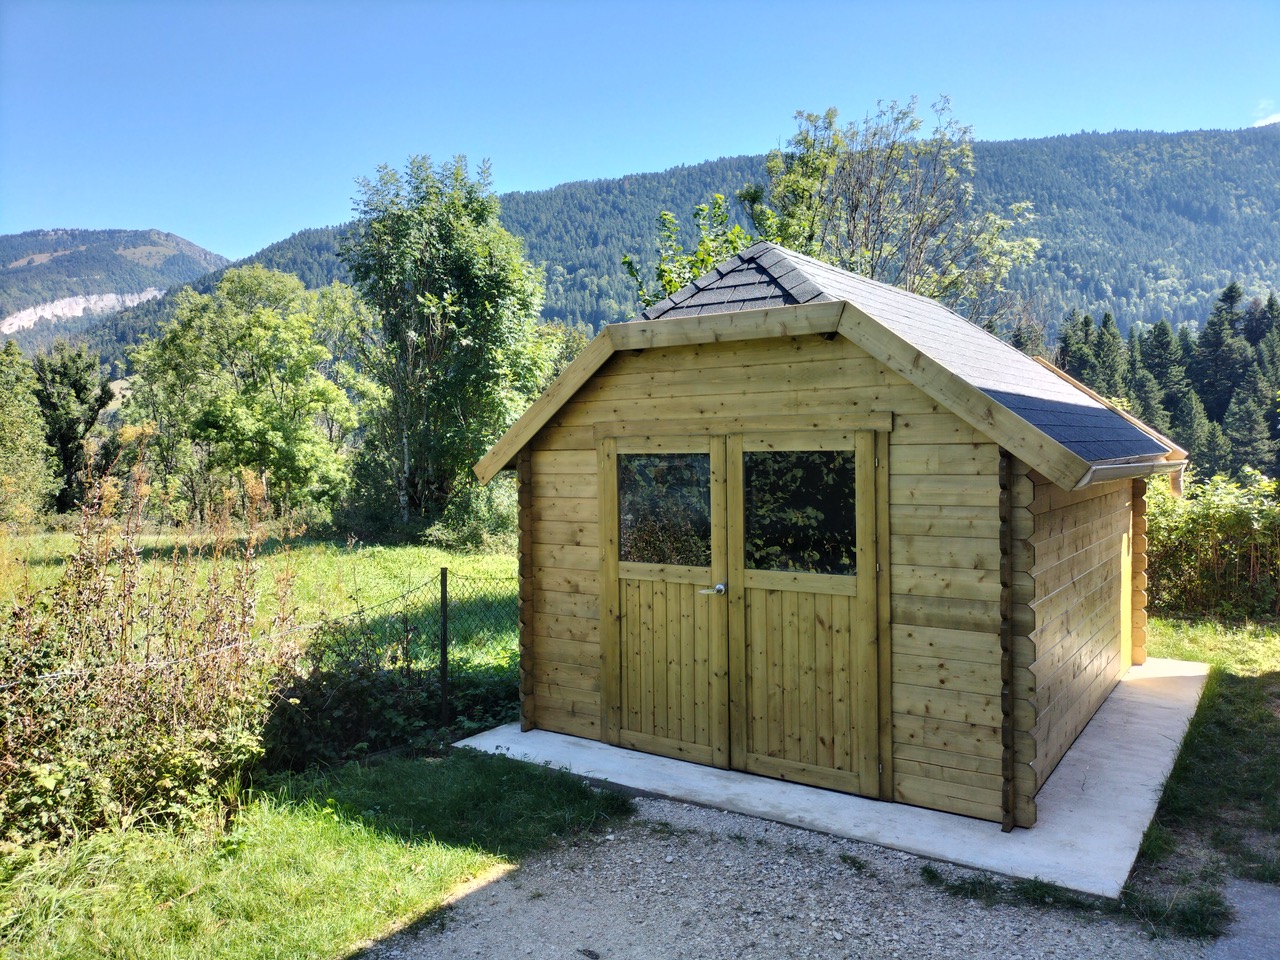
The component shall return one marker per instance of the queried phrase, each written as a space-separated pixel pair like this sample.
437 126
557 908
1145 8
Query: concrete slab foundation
1093 810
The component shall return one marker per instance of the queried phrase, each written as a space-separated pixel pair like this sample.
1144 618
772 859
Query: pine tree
1134 347
1028 334
1222 358
72 392
1256 322
1189 428
1110 360
1248 436
1148 401
1186 344
1162 355
1228 304
1215 457
1075 346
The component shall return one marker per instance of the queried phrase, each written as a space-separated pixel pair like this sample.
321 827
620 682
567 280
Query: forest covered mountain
1146 226
43 266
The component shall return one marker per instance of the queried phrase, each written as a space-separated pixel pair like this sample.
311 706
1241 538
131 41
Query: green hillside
41 266
1148 226
580 231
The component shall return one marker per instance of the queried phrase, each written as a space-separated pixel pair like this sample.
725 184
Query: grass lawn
327 579
1220 812
311 867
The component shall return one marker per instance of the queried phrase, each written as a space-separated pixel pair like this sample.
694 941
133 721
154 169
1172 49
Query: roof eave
1107 472
1175 451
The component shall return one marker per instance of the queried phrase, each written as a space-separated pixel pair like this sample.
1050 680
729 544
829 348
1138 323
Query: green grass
311 867
1219 814
328 578
1220 811
1224 791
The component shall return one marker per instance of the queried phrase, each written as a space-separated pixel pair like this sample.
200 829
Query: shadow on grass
494 804
465 798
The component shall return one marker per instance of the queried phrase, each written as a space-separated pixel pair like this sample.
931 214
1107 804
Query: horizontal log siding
561 523
1082 563
944 548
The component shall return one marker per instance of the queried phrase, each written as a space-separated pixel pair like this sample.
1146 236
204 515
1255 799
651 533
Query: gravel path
679 882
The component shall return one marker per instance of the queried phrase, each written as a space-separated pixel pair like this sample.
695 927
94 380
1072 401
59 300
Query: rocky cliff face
68 307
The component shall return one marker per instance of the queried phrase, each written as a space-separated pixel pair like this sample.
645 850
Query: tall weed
131 690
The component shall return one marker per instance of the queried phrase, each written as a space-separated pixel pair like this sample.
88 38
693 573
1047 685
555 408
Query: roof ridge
803 287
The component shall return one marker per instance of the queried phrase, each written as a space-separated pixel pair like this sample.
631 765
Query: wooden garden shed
799 523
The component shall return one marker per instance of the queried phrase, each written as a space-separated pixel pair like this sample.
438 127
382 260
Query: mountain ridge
40 267
1143 224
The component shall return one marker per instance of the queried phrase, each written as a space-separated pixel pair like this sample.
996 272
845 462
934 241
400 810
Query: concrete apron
1092 812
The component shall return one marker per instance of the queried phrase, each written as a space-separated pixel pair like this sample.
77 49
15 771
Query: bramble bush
1216 550
132 691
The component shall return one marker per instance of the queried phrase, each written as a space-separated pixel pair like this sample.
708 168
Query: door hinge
881 768
877 568
877 461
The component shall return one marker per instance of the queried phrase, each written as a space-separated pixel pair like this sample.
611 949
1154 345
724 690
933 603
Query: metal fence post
444 646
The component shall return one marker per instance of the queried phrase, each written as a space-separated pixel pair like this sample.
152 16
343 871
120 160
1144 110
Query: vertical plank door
664 635
803 655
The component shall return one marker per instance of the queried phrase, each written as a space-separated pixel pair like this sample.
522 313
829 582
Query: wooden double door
739 602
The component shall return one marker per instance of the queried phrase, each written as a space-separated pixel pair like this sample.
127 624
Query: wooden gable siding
943 557
1082 564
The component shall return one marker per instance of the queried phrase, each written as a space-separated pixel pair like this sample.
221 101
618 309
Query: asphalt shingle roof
766 275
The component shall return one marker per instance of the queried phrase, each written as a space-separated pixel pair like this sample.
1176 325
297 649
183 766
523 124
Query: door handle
718 590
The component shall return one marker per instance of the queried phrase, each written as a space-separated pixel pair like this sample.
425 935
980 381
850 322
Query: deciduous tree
26 473
884 200
453 344
242 380
718 240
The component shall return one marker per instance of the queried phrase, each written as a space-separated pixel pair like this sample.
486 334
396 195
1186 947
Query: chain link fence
443 655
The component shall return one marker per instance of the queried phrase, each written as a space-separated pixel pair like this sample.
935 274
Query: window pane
664 507
799 511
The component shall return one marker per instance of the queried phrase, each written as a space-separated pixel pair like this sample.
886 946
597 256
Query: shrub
478 518
130 691
1216 550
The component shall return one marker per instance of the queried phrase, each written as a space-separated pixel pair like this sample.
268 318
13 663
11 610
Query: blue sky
234 124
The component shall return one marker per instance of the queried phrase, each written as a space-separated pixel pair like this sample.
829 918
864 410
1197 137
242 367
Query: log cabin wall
1082 563
941 742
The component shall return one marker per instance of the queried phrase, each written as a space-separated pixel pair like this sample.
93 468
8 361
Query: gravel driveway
679 881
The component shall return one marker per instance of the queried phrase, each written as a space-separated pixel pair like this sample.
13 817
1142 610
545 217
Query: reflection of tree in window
799 511
664 508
